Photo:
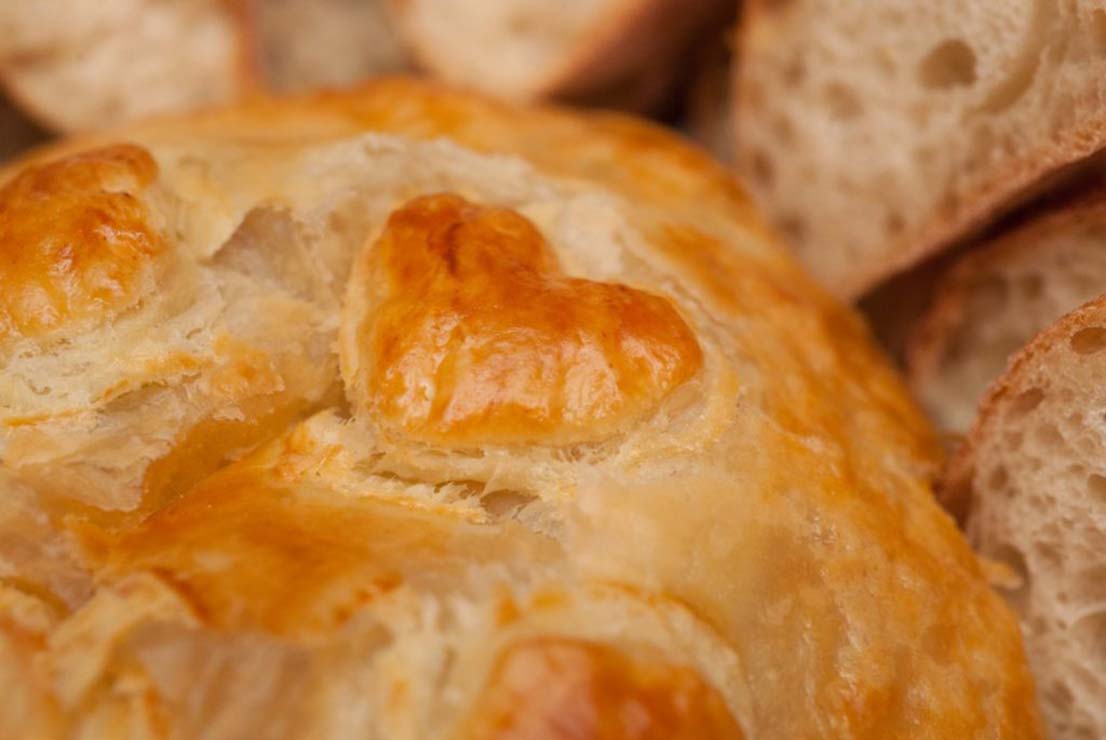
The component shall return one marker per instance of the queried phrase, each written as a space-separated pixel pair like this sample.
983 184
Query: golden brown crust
76 240
551 689
249 550
761 519
476 337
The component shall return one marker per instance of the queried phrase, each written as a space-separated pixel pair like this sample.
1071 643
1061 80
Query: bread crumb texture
876 133
1033 483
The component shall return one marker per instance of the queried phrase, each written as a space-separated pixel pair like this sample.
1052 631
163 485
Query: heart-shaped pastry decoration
75 241
468 332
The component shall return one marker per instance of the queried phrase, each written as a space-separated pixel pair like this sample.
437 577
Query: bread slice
618 53
1032 480
997 298
78 65
308 44
877 132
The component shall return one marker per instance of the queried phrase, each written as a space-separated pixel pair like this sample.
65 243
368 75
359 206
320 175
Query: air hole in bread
794 228
894 223
998 479
1025 402
763 169
1049 437
1059 696
949 64
1016 584
842 101
1089 341
1048 553
783 130
794 73
1096 487
1077 470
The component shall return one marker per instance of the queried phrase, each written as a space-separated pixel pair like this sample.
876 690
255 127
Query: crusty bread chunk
1032 481
618 53
997 297
308 44
89 64
877 131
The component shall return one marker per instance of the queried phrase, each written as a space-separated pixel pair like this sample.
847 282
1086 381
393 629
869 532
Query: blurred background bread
612 53
308 44
77 65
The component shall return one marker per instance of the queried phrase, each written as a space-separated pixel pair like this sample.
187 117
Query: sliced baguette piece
616 53
997 297
1032 481
879 131
80 65
308 44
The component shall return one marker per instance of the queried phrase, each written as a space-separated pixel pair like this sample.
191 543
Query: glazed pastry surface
400 413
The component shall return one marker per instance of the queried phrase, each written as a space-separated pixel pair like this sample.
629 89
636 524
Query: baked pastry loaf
1031 481
615 53
554 441
76 65
995 299
876 132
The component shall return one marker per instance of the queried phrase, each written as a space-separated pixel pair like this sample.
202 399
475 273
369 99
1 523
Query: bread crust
935 329
748 540
1041 521
956 489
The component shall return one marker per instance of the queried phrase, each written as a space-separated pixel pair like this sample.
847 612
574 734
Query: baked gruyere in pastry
399 413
